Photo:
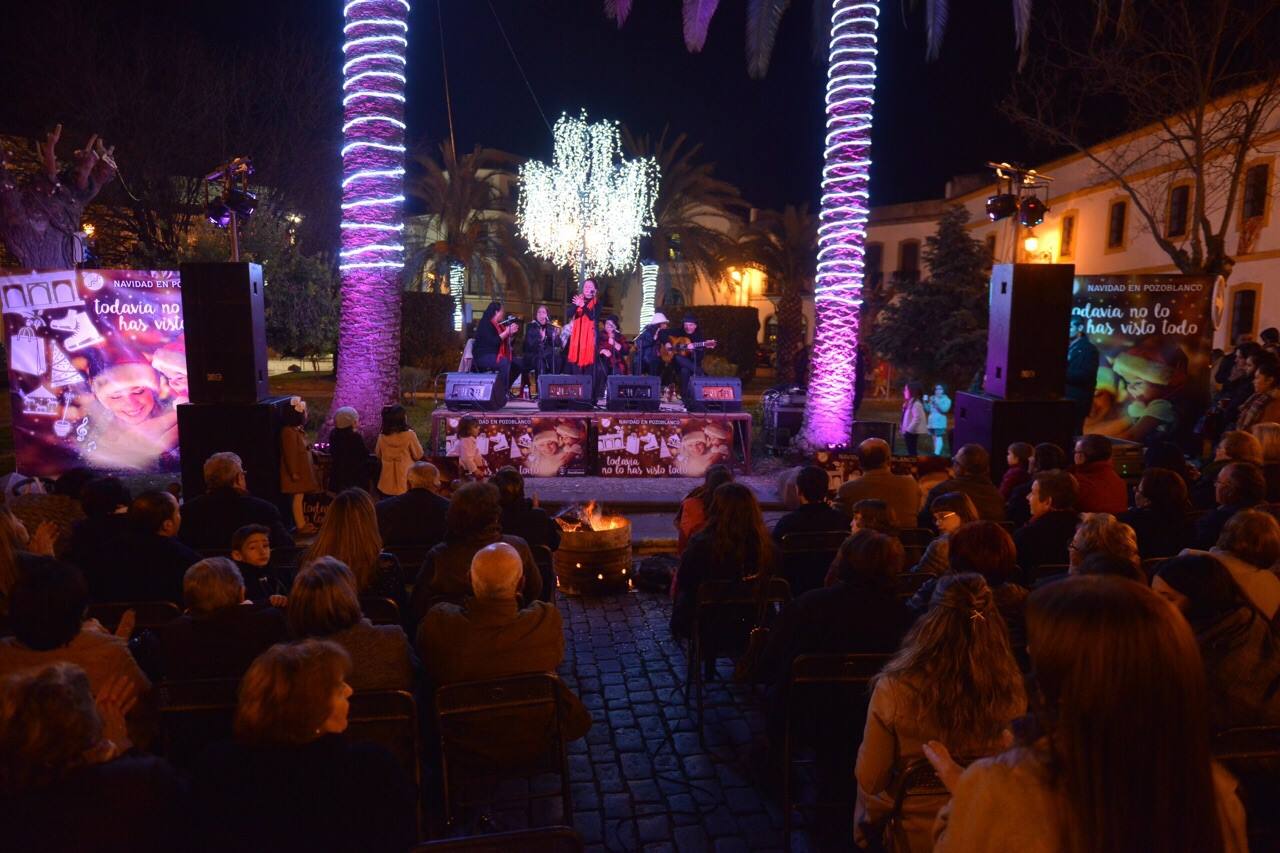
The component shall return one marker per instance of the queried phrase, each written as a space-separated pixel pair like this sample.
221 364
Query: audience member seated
519 515
1169 456
414 519
954 680
1234 446
878 482
950 512
1159 516
1103 563
61 508
1046 457
695 509
474 520
251 552
984 548
350 535
323 604
1249 548
1098 487
49 626
1263 405
1237 487
873 514
1268 435
106 505
1019 470
220 633
1101 533
1116 750
734 545
289 780
1241 653
19 552
209 520
148 561
970 474
814 515
70 780
1046 538
489 635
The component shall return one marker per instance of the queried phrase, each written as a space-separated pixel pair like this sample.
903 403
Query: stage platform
669 443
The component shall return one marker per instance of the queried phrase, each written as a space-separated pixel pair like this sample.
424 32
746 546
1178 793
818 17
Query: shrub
427 338
733 328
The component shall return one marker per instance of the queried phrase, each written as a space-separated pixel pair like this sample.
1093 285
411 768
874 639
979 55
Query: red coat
1100 488
582 343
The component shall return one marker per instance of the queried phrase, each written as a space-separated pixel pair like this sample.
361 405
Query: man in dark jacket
814 515
210 520
878 482
519 516
1098 487
415 519
1046 457
1046 539
1239 486
1082 372
970 475
148 562
220 634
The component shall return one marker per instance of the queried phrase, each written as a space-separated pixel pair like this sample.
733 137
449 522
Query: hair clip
976 616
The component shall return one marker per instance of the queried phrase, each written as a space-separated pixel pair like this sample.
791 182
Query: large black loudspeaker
626 393
995 424
474 391
560 391
1027 337
225 331
714 394
249 430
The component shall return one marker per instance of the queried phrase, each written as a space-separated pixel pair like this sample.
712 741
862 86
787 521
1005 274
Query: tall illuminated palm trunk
842 228
372 257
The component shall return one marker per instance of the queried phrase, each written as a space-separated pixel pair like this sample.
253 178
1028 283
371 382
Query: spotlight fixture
233 202
242 202
218 213
1001 206
1031 211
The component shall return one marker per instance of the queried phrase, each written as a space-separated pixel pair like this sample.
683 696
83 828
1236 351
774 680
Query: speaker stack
1026 374
231 408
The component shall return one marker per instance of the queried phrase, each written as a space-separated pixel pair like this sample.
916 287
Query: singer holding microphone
492 348
581 355
541 347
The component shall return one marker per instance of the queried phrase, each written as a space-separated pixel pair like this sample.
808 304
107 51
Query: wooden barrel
594 561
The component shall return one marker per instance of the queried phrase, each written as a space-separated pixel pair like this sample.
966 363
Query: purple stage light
372 255
842 230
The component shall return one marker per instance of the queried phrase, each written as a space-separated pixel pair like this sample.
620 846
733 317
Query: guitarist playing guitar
684 352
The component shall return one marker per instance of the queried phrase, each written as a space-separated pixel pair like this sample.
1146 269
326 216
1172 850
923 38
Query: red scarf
504 344
582 343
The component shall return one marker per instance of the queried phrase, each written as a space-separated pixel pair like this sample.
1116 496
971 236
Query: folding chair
553 839
380 611
807 556
544 559
519 719
193 715
1252 754
389 718
919 779
915 541
835 684
149 614
725 614
907 584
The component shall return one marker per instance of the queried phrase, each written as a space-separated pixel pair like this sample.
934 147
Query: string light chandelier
589 208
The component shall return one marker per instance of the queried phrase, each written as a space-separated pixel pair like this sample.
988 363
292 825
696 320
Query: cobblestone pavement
643 779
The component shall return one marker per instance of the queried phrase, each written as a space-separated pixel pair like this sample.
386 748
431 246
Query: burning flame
589 517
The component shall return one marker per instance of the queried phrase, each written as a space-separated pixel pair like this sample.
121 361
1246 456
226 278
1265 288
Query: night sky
932 120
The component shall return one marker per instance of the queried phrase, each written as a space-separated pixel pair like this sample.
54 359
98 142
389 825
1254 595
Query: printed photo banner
536 447
97 363
1154 339
674 445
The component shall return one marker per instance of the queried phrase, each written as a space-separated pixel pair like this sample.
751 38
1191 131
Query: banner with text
1154 339
97 363
662 445
537 447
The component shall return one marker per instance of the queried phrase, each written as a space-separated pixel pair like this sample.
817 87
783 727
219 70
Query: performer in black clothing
612 351
648 346
687 351
491 351
541 347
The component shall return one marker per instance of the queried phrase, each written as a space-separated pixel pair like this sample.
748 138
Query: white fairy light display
589 208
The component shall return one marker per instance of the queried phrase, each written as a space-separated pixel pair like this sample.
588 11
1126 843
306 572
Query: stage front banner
97 363
541 446
661 445
1154 339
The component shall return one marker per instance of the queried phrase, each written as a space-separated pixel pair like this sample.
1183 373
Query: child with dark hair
915 422
397 448
470 459
1019 470
251 551
297 471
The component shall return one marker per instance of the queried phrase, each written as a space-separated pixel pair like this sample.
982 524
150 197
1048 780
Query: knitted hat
125 375
690 318
345 417
170 359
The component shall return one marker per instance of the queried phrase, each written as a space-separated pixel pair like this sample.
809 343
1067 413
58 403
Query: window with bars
1116 220
1179 210
1253 204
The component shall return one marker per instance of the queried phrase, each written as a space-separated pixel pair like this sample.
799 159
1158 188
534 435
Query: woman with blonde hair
289 780
954 680
1268 435
350 534
1102 533
323 604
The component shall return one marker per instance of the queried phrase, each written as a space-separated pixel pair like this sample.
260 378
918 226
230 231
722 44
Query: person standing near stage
1082 372
541 346
581 356
492 348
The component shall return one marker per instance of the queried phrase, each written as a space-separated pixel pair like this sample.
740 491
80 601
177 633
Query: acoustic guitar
681 345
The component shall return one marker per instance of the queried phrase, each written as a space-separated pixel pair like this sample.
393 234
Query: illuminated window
1067 238
1117 218
1179 210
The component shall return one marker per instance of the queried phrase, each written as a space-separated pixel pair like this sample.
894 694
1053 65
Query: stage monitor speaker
225 331
624 393
249 430
714 394
995 424
474 391
1027 335
562 391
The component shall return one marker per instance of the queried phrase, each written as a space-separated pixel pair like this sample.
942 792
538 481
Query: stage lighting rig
234 202
1019 193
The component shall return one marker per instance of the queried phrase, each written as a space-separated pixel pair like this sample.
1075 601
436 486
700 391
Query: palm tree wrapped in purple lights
372 256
